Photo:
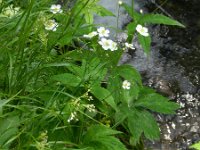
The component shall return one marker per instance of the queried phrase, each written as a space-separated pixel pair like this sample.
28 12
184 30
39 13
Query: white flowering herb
90 35
51 25
126 85
103 32
73 116
90 107
10 11
129 45
56 9
142 30
108 44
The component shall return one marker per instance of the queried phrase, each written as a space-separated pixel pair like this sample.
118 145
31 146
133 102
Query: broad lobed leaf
156 102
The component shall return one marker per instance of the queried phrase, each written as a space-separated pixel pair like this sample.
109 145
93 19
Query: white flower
56 9
51 25
108 44
10 11
126 85
120 2
73 116
90 35
129 45
103 32
105 43
113 46
141 11
142 30
90 107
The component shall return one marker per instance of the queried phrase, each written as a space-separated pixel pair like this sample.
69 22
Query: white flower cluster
106 44
52 24
90 107
10 11
73 116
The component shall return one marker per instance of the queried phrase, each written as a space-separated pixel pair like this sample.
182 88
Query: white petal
139 28
144 34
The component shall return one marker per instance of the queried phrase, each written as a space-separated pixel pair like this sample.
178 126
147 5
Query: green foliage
159 19
196 146
145 19
8 129
155 102
103 95
89 8
101 137
60 90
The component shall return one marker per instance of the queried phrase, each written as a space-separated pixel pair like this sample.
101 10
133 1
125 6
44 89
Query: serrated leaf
145 42
142 122
103 95
67 78
129 73
121 114
157 103
159 19
138 122
97 131
102 137
196 146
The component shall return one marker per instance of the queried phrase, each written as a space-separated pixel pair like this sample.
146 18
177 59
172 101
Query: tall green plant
62 88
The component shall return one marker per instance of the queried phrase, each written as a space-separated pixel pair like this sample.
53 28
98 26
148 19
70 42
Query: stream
173 67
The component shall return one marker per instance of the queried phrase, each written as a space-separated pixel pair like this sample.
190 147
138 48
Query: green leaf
8 129
138 122
103 94
114 83
196 146
68 79
159 19
129 73
145 43
143 122
61 64
102 137
156 102
103 11
131 27
88 17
